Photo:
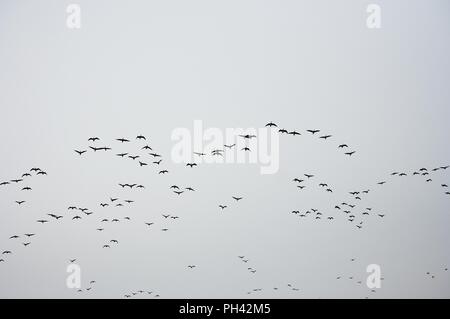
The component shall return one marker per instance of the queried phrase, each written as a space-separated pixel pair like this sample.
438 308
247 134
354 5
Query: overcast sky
151 67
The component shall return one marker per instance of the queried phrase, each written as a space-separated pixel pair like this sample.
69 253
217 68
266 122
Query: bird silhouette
80 152
122 154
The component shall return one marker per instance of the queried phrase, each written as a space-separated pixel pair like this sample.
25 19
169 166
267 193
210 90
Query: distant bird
343 145
309 175
142 164
122 154
247 136
146 147
20 202
190 189
325 137
313 131
294 133
271 124
55 216
122 140
191 266
93 139
237 198
155 154
350 153
42 221
191 165
229 146
133 157
284 131
140 137
246 149
26 188
80 152
222 206
163 172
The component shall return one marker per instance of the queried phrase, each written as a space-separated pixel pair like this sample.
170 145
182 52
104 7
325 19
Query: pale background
148 67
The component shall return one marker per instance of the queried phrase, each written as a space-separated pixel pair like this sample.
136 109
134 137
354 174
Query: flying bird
80 152
350 153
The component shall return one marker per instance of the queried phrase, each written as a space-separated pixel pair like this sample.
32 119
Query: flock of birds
351 208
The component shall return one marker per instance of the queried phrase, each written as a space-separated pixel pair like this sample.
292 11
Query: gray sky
149 67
